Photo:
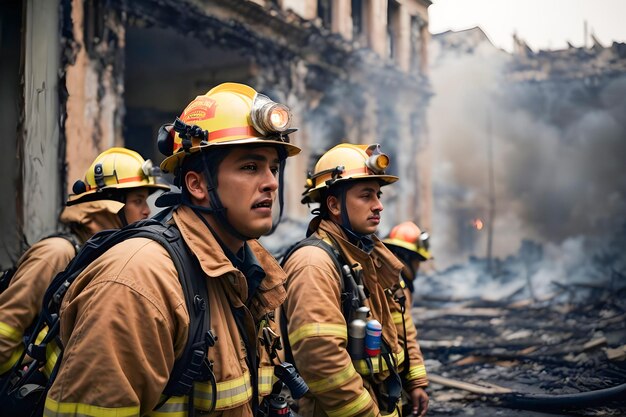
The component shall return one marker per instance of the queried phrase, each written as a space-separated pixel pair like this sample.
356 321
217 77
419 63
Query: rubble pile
482 353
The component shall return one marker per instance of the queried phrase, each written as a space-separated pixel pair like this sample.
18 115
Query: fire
478 224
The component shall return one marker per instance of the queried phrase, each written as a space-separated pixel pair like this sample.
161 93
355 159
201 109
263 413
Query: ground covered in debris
564 345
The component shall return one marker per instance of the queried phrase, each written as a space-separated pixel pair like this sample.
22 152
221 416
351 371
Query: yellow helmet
114 169
408 235
229 114
346 162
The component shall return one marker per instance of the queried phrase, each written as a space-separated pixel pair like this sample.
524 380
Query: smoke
559 149
575 270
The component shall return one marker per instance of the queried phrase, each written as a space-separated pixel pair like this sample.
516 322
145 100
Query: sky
543 24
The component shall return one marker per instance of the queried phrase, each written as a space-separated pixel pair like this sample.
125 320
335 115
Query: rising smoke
559 152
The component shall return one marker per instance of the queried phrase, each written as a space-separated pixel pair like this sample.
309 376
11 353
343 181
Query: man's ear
196 186
333 205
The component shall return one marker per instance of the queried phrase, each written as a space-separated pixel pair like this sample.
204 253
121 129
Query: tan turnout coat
339 386
21 302
124 322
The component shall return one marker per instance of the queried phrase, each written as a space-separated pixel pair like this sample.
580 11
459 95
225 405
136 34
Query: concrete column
342 18
403 38
375 25
41 170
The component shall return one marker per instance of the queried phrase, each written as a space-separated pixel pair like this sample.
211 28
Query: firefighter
112 193
343 379
125 321
407 241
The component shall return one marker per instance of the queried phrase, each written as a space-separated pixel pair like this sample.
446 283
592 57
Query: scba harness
353 295
24 390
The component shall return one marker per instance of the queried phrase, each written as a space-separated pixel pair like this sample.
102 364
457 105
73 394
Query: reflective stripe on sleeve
173 407
397 317
416 372
10 333
333 381
266 380
318 329
52 356
56 409
15 356
230 393
378 364
52 352
353 407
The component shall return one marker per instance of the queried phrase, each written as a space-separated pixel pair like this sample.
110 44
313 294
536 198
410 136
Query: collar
216 263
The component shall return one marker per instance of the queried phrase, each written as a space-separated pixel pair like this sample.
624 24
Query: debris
594 343
473 388
617 354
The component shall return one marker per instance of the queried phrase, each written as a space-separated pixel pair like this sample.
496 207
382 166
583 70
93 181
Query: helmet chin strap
362 241
217 209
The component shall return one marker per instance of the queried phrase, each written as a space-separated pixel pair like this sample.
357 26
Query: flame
478 224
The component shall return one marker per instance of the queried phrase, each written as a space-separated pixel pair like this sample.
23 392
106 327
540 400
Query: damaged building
80 76
533 142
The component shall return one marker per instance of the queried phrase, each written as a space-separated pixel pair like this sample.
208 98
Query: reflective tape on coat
333 381
353 407
416 372
318 329
230 393
55 409
378 364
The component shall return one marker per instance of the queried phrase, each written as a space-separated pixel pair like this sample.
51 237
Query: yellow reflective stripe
10 332
15 356
394 414
60 409
41 335
397 317
416 372
378 364
173 407
52 356
402 283
332 381
318 329
266 380
353 407
229 393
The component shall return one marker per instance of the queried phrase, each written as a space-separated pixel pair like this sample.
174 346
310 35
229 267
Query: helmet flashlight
268 116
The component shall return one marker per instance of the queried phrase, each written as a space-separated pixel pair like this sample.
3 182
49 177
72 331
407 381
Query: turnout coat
124 322
340 386
20 303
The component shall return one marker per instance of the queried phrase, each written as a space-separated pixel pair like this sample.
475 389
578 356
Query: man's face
364 206
247 184
136 207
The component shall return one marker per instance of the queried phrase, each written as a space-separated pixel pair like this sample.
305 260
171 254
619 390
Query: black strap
350 301
193 364
349 294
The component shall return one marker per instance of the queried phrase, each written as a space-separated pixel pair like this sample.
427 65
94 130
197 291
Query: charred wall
124 67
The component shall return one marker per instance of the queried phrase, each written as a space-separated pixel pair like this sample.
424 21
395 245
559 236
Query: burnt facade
102 73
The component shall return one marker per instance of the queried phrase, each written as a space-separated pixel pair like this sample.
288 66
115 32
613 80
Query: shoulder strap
192 365
349 295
